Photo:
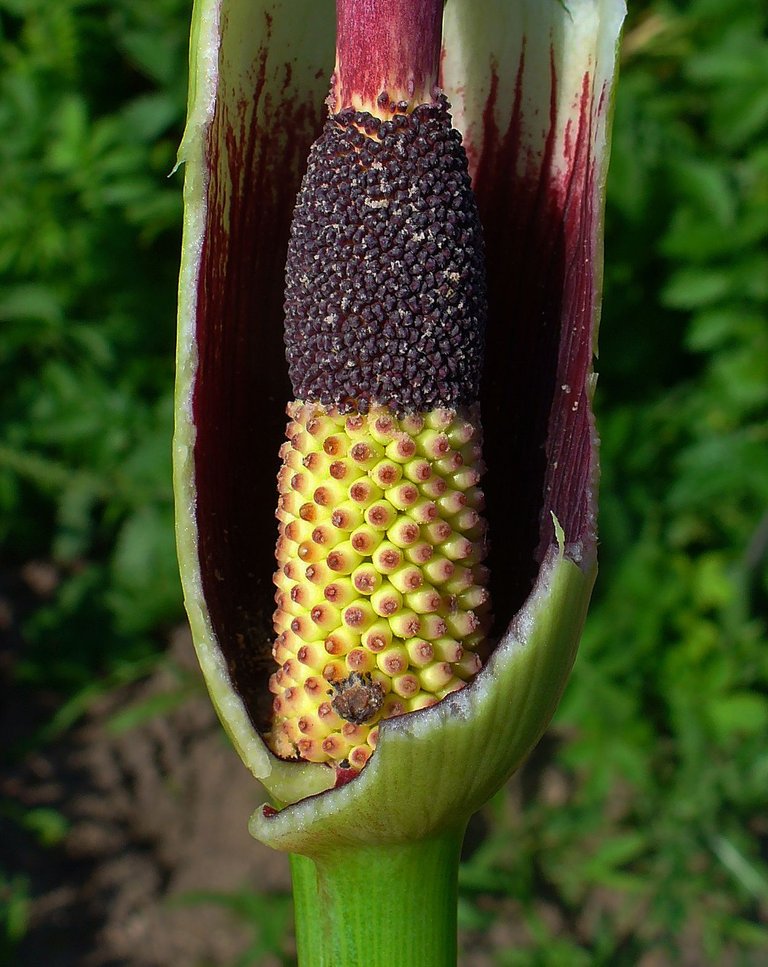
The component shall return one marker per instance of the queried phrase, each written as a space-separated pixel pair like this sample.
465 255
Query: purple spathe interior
541 228
538 426
241 384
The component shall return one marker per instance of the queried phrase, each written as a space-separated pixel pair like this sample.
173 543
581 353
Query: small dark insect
358 698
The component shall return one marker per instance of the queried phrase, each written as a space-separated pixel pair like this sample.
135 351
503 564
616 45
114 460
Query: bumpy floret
380 588
385 280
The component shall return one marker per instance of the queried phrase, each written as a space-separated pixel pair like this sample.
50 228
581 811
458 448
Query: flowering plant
376 838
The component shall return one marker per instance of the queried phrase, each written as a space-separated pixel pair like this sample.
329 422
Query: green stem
381 906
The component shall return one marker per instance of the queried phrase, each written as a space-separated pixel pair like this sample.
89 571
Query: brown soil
155 812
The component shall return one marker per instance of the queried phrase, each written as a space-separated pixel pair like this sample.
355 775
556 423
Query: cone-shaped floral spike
360 676
380 589
381 596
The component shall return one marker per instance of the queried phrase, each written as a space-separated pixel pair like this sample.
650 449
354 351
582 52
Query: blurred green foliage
648 832
652 833
91 103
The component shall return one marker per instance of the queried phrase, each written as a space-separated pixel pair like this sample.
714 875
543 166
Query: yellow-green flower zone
381 592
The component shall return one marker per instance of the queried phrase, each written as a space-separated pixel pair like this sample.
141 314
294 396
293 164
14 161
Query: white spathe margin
514 49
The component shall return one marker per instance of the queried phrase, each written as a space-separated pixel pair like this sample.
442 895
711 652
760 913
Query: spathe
530 83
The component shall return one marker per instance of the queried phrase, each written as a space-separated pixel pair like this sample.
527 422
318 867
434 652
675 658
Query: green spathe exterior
538 72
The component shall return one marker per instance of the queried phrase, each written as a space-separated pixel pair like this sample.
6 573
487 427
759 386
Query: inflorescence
385 281
380 589
381 593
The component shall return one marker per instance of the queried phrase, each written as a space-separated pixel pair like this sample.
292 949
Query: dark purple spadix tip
385 279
